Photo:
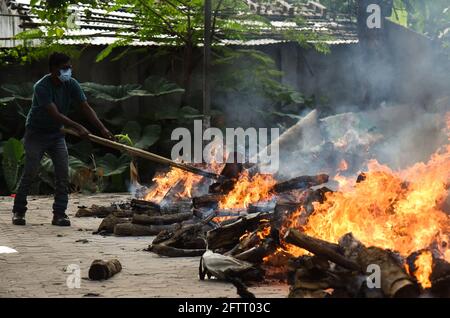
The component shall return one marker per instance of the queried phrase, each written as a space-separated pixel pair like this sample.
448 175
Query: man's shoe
18 218
60 220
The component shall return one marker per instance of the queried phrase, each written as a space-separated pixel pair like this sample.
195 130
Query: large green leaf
142 138
5 100
110 165
112 93
23 91
81 150
13 153
149 136
157 86
133 130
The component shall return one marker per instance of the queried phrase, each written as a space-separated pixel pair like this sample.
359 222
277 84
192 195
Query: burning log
395 282
179 206
109 222
320 248
169 251
187 241
302 182
256 254
313 279
231 172
144 206
131 229
208 200
228 236
161 219
101 270
432 273
440 278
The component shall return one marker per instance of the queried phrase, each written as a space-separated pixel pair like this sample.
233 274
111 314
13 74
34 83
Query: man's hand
107 134
83 132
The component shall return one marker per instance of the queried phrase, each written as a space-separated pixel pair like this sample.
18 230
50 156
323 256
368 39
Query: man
52 98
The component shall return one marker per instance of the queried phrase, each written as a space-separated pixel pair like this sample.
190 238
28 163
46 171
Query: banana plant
141 137
23 91
153 86
12 161
18 92
111 93
82 177
113 168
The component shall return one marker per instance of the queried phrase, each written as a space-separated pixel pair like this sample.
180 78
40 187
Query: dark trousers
36 144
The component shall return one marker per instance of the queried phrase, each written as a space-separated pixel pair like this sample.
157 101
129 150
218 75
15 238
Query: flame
397 210
248 190
423 265
263 233
165 182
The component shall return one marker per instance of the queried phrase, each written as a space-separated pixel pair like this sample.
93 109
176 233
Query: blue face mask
65 75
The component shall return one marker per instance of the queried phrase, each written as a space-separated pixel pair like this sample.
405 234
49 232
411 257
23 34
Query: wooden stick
320 248
145 154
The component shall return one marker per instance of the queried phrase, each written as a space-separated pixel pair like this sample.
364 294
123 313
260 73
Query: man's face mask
65 74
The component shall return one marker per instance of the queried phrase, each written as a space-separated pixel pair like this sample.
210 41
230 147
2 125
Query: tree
176 23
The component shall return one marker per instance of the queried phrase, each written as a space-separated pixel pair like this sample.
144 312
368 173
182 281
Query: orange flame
164 183
248 190
397 210
423 265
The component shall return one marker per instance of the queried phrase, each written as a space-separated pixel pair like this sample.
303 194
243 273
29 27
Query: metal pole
206 65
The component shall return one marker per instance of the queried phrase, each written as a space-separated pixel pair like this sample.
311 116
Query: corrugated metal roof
98 27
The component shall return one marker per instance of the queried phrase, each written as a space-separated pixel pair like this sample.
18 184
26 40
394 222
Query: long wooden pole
145 154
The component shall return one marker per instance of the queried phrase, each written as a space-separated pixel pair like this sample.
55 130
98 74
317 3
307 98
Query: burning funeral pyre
379 233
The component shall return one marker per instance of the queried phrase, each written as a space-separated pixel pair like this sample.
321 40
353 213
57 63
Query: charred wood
208 201
109 222
320 248
161 219
395 282
228 236
169 251
302 182
101 270
130 229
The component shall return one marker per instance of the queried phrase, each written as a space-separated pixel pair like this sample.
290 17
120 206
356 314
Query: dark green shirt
44 93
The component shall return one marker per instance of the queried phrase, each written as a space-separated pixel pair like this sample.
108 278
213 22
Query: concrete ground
45 252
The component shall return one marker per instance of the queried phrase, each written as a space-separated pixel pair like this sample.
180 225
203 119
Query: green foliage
112 93
110 165
13 155
23 91
142 138
155 86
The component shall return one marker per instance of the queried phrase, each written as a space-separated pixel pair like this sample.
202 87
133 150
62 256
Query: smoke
397 135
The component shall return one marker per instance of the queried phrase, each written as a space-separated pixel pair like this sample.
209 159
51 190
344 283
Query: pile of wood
247 245
140 217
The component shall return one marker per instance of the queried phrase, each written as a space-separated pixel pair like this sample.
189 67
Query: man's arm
93 119
55 114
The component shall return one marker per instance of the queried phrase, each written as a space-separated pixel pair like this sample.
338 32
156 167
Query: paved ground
44 252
